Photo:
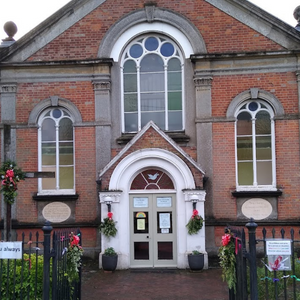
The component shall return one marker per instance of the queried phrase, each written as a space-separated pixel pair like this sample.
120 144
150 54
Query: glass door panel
152 227
141 253
141 250
141 222
164 220
164 250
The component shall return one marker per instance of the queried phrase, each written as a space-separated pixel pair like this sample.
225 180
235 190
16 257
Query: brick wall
151 139
284 87
221 32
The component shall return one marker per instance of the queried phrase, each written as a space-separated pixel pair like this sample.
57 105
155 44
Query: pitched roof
244 11
261 21
139 136
51 28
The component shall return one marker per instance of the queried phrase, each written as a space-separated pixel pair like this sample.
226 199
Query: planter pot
196 261
109 263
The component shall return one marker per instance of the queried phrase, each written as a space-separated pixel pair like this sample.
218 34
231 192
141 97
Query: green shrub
110 252
263 276
22 277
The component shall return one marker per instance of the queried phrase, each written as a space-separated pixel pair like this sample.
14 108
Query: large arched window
255 146
152 84
56 151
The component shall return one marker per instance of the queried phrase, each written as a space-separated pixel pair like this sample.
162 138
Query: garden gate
255 278
40 274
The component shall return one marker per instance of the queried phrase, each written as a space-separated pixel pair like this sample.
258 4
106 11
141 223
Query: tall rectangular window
56 144
255 145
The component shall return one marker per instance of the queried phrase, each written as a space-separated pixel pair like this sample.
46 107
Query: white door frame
152 237
119 189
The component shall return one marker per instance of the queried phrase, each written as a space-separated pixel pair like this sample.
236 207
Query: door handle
147 236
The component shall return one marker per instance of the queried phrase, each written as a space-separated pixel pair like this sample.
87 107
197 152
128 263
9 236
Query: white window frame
255 186
56 191
180 57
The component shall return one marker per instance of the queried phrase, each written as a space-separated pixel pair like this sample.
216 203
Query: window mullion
183 96
123 99
254 152
73 144
57 155
273 152
166 97
40 166
236 154
138 74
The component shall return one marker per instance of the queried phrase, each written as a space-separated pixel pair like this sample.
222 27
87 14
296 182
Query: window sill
256 193
57 197
178 137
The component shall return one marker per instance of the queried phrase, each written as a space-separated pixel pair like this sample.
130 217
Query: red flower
226 239
195 212
75 240
110 214
10 173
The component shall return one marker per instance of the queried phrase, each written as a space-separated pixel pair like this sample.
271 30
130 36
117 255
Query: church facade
149 110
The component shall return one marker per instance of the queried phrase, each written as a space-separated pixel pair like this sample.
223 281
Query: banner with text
10 250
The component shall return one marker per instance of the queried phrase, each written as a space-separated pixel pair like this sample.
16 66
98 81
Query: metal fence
62 289
40 274
280 284
241 291
257 277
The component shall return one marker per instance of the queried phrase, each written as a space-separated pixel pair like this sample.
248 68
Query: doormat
150 270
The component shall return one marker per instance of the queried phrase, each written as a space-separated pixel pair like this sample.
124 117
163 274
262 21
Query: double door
153 231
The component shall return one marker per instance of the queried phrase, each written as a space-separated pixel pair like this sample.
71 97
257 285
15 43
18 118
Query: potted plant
109 259
196 260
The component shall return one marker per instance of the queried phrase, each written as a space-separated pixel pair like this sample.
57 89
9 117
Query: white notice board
278 247
10 250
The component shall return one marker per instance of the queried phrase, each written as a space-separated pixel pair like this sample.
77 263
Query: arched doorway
180 196
152 217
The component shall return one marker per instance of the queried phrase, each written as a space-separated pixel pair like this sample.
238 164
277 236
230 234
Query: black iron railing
40 273
255 279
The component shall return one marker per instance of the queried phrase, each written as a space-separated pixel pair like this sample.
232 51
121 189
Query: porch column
116 243
197 241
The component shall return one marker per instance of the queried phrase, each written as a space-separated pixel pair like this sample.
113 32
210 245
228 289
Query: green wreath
195 223
108 226
10 176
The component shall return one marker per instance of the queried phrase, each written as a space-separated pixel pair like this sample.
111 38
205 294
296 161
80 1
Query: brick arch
254 94
152 19
52 102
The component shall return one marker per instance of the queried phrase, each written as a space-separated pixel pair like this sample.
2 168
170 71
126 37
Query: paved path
152 285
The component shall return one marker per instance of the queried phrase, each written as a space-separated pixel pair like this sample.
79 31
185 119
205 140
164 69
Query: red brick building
154 106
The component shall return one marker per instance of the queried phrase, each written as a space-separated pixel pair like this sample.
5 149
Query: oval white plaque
257 208
56 212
